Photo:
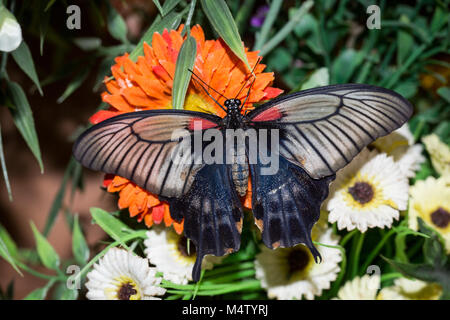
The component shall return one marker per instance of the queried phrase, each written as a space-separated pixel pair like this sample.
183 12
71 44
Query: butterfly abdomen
239 171
240 178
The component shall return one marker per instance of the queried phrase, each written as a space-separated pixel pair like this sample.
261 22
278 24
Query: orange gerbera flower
147 84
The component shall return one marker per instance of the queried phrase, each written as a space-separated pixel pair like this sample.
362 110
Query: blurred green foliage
306 44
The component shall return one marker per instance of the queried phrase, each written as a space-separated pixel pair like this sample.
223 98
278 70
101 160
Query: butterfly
310 135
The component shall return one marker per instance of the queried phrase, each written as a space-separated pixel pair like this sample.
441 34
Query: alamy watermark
228 146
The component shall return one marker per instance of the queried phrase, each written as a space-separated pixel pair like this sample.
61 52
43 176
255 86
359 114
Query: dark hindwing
212 213
286 204
139 146
322 129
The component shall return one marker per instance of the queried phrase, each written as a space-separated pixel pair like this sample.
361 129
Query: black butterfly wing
286 204
139 146
323 129
212 213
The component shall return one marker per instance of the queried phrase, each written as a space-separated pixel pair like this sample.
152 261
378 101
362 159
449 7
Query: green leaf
170 21
319 78
271 16
69 294
4 169
440 19
40 293
169 5
345 65
405 43
62 292
222 21
158 6
185 62
74 84
8 241
6 254
280 59
433 249
423 272
88 43
79 246
115 228
24 60
116 25
57 202
49 4
444 92
23 118
46 252
288 27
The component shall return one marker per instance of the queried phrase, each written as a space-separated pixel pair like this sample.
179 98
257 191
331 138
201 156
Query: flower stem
356 253
246 285
347 237
377 249
37 273
229 269
390 276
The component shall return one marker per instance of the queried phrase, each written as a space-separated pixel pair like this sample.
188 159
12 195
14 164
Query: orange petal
152 200
167 218
102 115
148 220
271 92
118 102
137 97
126 196
178 226
159 46
158 213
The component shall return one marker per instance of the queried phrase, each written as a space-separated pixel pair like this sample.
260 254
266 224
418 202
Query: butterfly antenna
207 92
243 86
209 87
248 94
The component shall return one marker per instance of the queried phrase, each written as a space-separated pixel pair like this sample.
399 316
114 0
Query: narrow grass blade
23 118
4 170
185 62
283 33
222 21
46 252
24 60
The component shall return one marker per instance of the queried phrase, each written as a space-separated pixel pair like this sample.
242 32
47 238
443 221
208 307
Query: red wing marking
269 115
201 124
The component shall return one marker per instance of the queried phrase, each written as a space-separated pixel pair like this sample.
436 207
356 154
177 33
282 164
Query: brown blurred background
34 192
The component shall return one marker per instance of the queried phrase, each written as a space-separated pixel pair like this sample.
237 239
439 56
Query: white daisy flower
406 289
291 273
400 145
360 288
168 251
121 275
439 153
367 193
430 200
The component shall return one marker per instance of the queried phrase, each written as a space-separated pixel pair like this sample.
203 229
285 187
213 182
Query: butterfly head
233 106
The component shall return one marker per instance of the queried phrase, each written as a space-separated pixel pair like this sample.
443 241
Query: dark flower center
182 247
126 291
361 192
441 218
298 260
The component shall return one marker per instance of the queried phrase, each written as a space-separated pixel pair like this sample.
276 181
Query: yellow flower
405 289
439 153
430 200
